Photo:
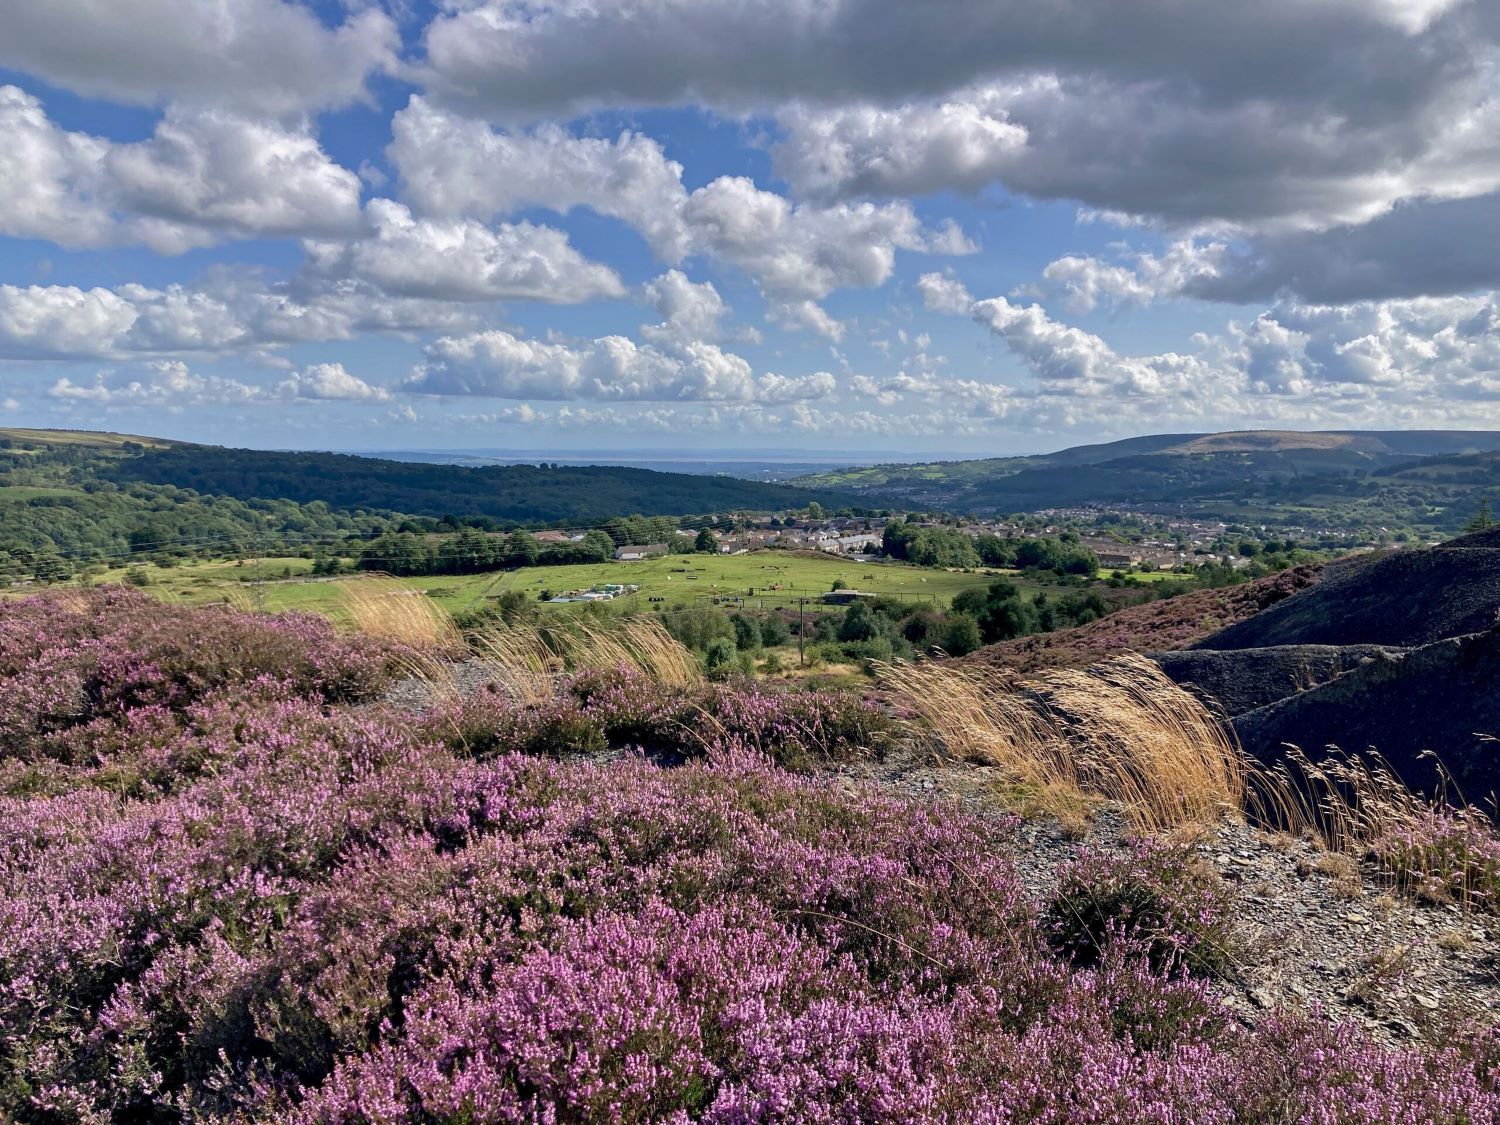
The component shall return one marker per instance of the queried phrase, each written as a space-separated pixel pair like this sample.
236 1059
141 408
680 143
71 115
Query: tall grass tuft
1119 730
379 606
521 659
528 660
638 642
382 607
1438 848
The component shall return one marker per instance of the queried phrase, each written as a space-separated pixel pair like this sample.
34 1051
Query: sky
955 227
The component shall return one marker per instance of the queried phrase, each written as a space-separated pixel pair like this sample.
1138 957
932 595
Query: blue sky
965 227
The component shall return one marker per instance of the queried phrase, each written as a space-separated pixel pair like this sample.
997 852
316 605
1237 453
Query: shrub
1155 899
719 656
774 631
1443 855
746 632
961 635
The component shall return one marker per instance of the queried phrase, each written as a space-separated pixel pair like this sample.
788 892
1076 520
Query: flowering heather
1444 855
75 660
298 912
623 709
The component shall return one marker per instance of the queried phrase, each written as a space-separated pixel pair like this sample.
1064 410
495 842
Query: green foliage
720 656
699 626
518 493
1003 613
1482 520
707 543
747 634
961 635
929 546
774 631
1057 556
51 567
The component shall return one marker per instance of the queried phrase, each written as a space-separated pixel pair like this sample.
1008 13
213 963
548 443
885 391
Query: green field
779 581
677 579
105 439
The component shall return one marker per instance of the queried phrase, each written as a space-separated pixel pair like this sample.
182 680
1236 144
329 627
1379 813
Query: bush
699 626
747 636
719 656
1155 899
774 631
961 635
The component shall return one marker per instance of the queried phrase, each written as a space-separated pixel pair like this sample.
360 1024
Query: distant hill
523 493
97 439
1429 479
75 499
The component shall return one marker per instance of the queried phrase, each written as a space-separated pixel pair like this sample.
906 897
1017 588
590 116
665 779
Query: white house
641 551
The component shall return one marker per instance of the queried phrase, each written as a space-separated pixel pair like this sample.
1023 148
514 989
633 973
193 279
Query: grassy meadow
778 579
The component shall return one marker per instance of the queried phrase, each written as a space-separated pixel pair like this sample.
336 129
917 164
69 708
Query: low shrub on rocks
1158 899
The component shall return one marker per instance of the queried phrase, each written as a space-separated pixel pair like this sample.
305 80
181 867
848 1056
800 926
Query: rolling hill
1402 598
519 493
1421 478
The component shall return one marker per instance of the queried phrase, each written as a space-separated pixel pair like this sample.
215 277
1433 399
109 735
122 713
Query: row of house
836 536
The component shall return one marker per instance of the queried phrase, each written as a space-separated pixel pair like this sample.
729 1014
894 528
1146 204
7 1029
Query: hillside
248 875
521 493
1338 478
70 499
1404 598
1397 653
1441 697
13 438
1171 623
79 492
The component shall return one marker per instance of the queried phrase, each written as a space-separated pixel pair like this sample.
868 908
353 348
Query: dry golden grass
73 600
521 659
1119 730
528 660
1356 806
638 642
383 607
1343 801
238 599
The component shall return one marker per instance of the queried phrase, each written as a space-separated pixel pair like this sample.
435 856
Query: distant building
1113 561
553 537
641 551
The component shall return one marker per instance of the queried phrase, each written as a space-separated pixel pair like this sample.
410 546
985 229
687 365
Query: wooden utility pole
801 631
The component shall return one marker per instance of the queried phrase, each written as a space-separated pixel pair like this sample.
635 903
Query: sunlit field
778 580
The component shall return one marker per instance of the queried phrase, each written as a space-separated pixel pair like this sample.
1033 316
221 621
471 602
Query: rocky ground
1322 931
